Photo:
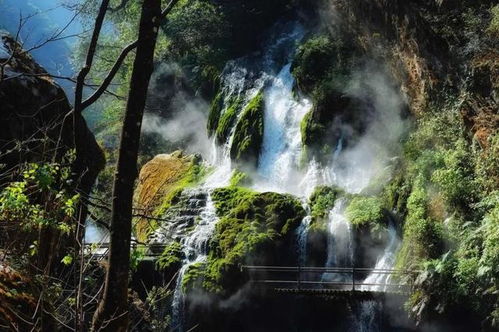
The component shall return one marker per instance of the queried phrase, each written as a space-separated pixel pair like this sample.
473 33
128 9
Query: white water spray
379 281
195 247
281 148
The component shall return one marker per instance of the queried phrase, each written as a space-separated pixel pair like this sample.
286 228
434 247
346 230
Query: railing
99 251
329 279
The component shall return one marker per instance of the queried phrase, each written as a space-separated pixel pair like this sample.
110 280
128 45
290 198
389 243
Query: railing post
353 279
299 277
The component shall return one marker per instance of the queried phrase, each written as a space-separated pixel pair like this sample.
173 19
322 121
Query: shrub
312 61
321 201
494 21
363 210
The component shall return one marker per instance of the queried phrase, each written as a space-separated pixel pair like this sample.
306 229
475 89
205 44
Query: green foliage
423 236
456 178
434 285
171 256
193 277
312 61
136 255
43 198
494 20
486 166
248 136
448 191
186 30
67 260
321 201
363 210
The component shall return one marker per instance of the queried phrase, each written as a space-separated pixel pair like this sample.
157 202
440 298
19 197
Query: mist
186 130
373 153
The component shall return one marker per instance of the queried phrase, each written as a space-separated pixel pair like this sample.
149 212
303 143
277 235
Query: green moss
240 178
171 256
227 199
193 276
253 226
227 120
215 113
311 130
363 210
321 201
248 134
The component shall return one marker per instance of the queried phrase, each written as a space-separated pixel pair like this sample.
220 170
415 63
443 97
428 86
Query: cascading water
195 247
366 317
380 282
281 147
339 242
301 236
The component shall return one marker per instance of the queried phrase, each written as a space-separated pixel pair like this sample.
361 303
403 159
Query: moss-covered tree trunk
112 313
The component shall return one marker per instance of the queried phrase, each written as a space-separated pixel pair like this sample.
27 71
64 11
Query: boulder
161 180
36 123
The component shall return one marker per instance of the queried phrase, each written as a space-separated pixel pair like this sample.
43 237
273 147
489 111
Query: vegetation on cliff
248 135
254 228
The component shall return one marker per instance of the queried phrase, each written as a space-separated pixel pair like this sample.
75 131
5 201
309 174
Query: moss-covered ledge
254 228
248 136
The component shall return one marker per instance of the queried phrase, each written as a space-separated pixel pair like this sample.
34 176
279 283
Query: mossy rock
215 113
161 181
193 277
254 228
171 257
227 120
312 61
248 136
321 201
322 68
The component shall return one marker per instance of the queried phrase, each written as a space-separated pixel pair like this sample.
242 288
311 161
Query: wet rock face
181 217
32 111
160 193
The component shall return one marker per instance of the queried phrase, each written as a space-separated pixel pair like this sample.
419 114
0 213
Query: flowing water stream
195 247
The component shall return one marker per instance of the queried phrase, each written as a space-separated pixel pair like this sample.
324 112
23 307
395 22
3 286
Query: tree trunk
112 313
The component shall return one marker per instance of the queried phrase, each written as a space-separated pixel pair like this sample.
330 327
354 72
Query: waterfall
366 317
340 247
385 262
281 146
195 247
340 241
301 236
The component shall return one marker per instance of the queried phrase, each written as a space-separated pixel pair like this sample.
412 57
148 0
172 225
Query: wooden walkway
330 280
